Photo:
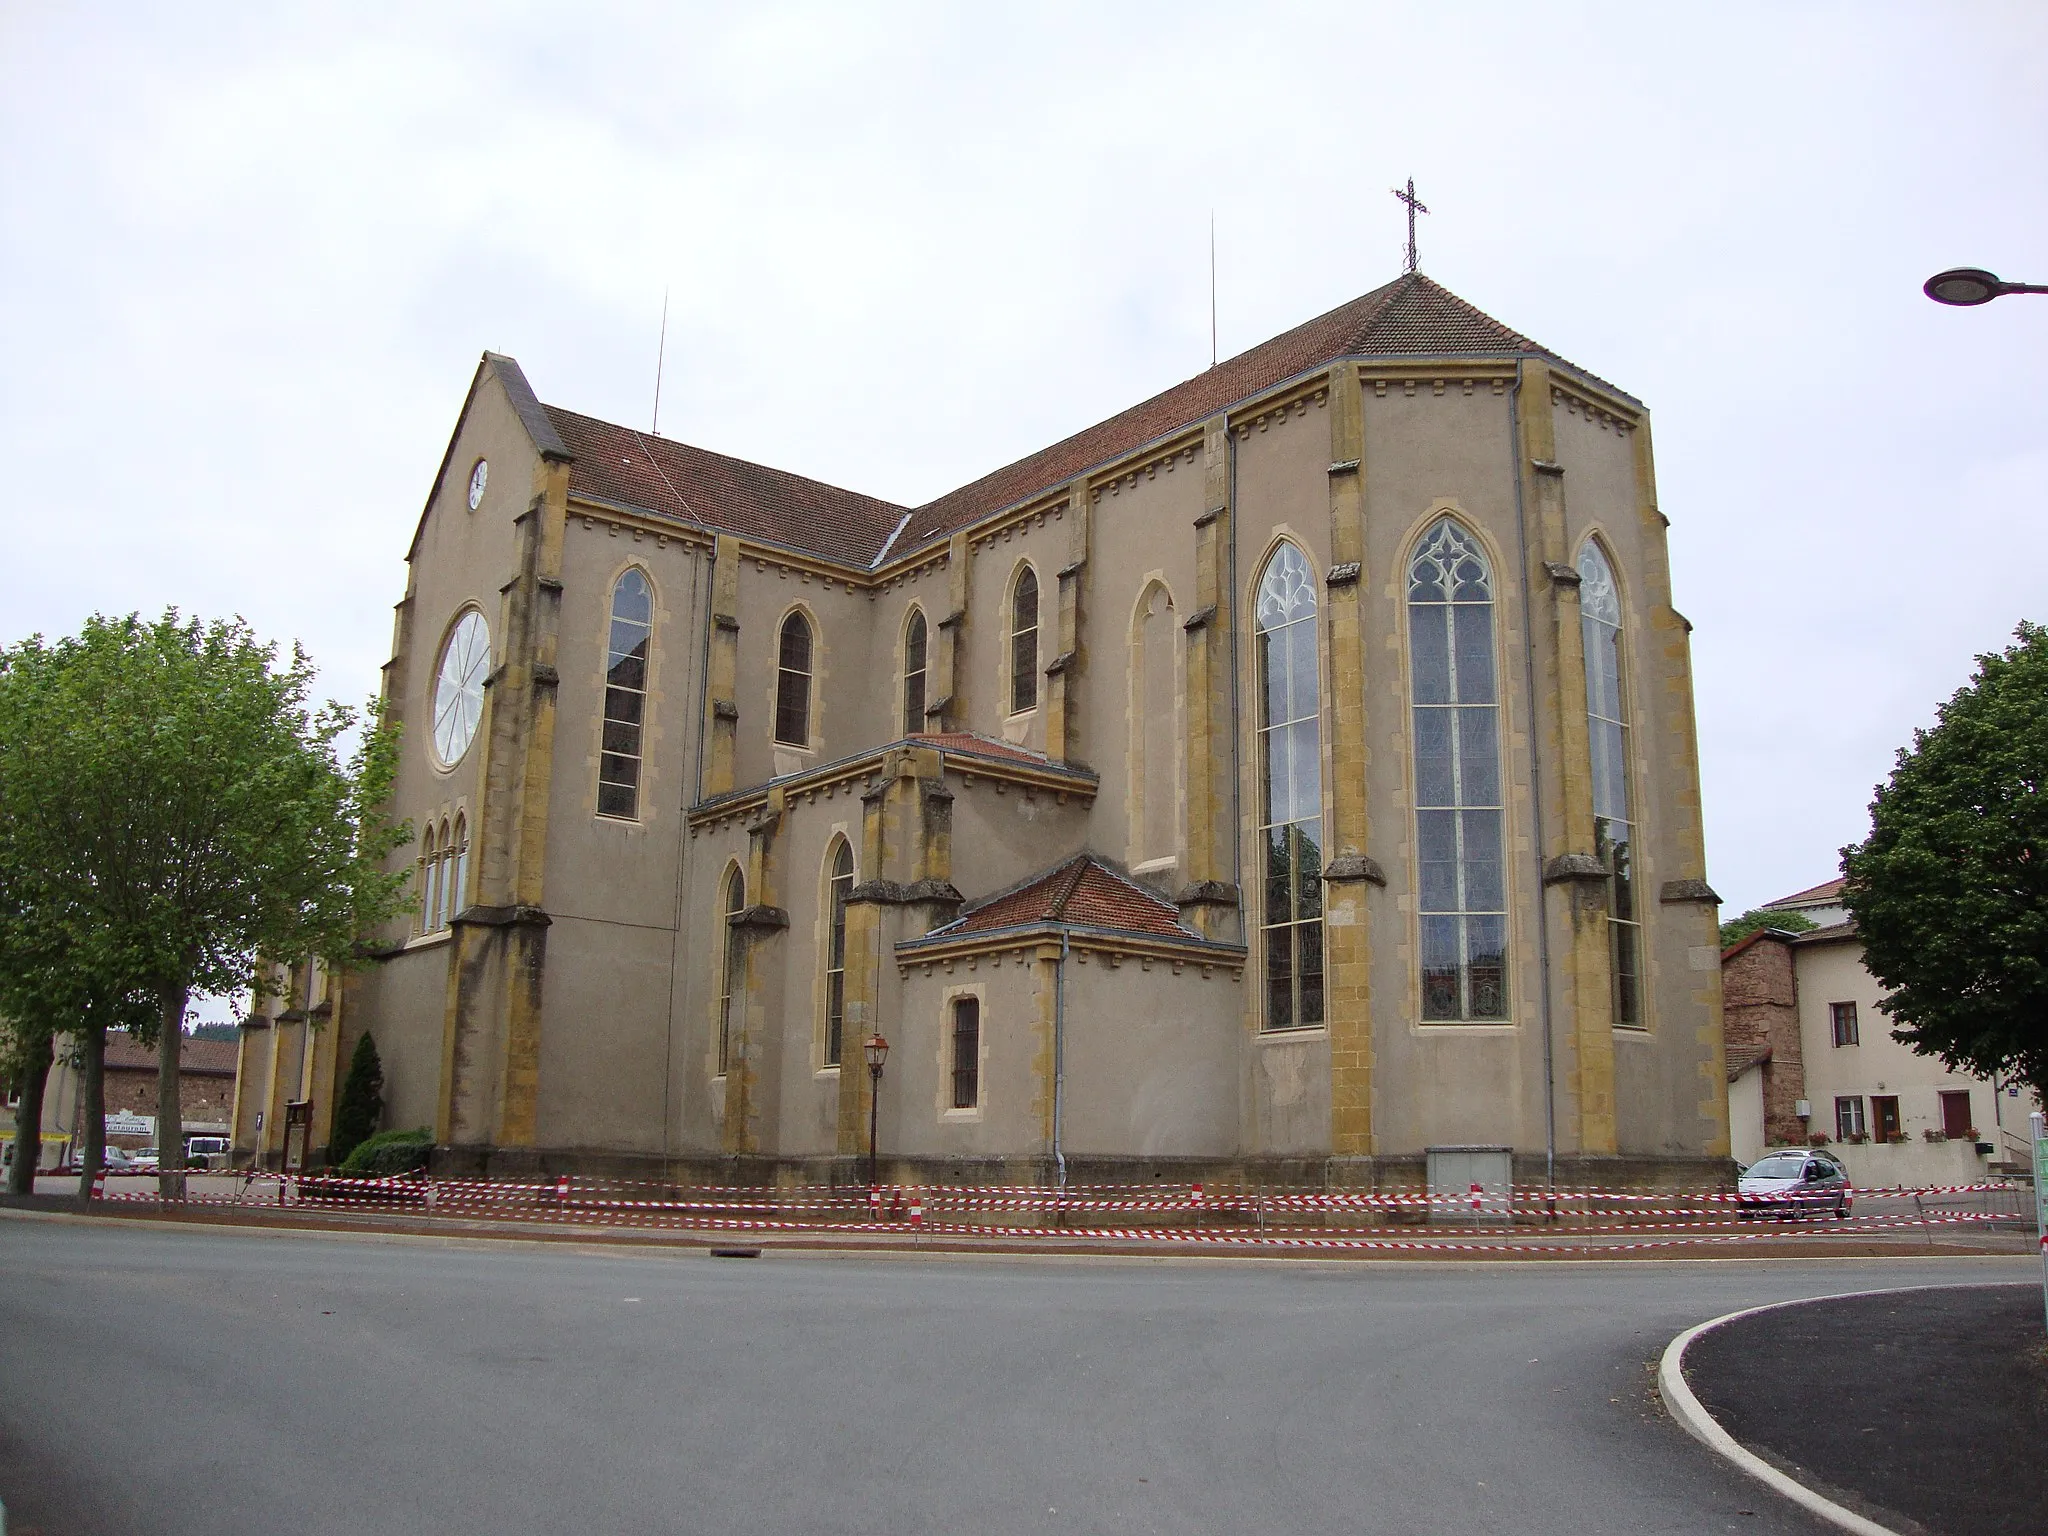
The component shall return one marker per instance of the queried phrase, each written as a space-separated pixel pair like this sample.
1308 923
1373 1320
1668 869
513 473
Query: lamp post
877 1050
1967 286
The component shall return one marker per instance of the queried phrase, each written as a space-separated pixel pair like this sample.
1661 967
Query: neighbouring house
206 1095
1283 778
1811 1060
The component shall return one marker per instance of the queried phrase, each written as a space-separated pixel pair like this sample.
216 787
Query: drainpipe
1059 1059
1535 793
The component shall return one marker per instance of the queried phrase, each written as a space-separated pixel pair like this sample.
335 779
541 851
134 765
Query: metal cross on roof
1414 208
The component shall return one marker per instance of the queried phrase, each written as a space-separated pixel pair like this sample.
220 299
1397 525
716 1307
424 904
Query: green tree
362 1102
1737 929
1950 890
173 813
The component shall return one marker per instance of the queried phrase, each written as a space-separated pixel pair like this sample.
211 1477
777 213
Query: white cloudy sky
249 254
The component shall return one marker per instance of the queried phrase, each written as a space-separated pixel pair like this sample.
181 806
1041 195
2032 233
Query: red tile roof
1083 892
1740 1058
213 1058
979 746
1412 316
1818 896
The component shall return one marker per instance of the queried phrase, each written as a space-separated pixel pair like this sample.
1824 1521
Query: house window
1024 642
839 888
1607 730
625 696
966 1053
730 971
1458 811
1849 1117
1957 1123
1842 1017
793 683
913 673
1290 790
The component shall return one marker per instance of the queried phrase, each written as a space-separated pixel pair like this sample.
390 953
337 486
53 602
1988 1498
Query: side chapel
1288 775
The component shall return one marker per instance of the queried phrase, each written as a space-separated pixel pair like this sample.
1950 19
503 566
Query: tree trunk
93 1050
170 1109
28 1117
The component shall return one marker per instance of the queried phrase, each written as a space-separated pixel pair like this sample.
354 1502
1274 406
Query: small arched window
1607 730
966 1053
1290 790
1024 642
839 887
430 881
913 673
793 683
1455 702
458 885
730 970
625 696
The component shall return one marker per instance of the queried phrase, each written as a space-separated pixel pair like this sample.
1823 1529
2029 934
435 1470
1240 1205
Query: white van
206 1152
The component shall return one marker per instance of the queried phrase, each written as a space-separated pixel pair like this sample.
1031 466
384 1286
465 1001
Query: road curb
1702 1426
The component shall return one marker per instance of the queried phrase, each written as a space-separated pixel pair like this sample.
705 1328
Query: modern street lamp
1965 286
877 1050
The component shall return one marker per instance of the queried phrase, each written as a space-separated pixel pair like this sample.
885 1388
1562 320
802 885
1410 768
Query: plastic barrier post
917 1210
99 1185
562 1187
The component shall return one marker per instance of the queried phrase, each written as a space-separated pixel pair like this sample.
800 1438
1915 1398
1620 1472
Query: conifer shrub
389 1152
362 1102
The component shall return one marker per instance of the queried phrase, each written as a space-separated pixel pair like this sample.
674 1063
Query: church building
1287 776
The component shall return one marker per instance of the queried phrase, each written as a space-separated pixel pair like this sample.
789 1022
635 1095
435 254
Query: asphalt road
216 1383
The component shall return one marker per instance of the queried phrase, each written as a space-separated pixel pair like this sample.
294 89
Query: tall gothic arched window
1455 698
731 963
1607 730
1290 790
625 696
1024 642
913 673
793 683
430 881
838 888
458 888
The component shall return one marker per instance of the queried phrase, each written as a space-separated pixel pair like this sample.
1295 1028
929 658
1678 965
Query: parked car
117 1159
1793 1183
144 1161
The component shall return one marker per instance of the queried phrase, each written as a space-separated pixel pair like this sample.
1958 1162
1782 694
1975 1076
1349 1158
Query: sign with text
121 1123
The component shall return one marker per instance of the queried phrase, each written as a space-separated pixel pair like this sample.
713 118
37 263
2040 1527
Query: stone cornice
853 775
1044 935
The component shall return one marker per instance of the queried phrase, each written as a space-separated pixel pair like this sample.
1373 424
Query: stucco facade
650 975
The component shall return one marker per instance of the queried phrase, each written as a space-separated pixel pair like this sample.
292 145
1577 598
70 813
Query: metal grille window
731 977
1290 791
1458 809
625 696
838 890
793 683
1842 1016
913 673
1613 823
1024 643
1849 1119
966 1053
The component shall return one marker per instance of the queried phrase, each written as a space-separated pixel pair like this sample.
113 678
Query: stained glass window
839 888
625 696
1455 703
1290 791
1613 821
730 978
913 673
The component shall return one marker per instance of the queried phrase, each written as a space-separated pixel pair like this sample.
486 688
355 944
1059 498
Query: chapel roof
1413 316
1081 892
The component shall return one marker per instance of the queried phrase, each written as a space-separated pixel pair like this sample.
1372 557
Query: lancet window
838 889
1608 732
1290 790
913 673
731 964
1455 702
625 696
1024 642
793 683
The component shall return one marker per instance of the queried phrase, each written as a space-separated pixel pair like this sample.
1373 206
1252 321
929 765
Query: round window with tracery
459 687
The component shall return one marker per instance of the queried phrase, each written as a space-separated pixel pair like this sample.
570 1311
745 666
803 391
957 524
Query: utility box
1471 1184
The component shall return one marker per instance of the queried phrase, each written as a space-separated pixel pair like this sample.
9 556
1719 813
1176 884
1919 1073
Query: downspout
1236 734
1535 793
1059 1059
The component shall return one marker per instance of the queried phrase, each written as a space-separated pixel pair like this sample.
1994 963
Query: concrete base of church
1396 1172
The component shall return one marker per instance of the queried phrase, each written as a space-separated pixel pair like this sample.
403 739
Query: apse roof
1081 892
1413 316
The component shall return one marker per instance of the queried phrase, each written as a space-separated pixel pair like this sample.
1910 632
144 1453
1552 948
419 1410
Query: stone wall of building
1760 1003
